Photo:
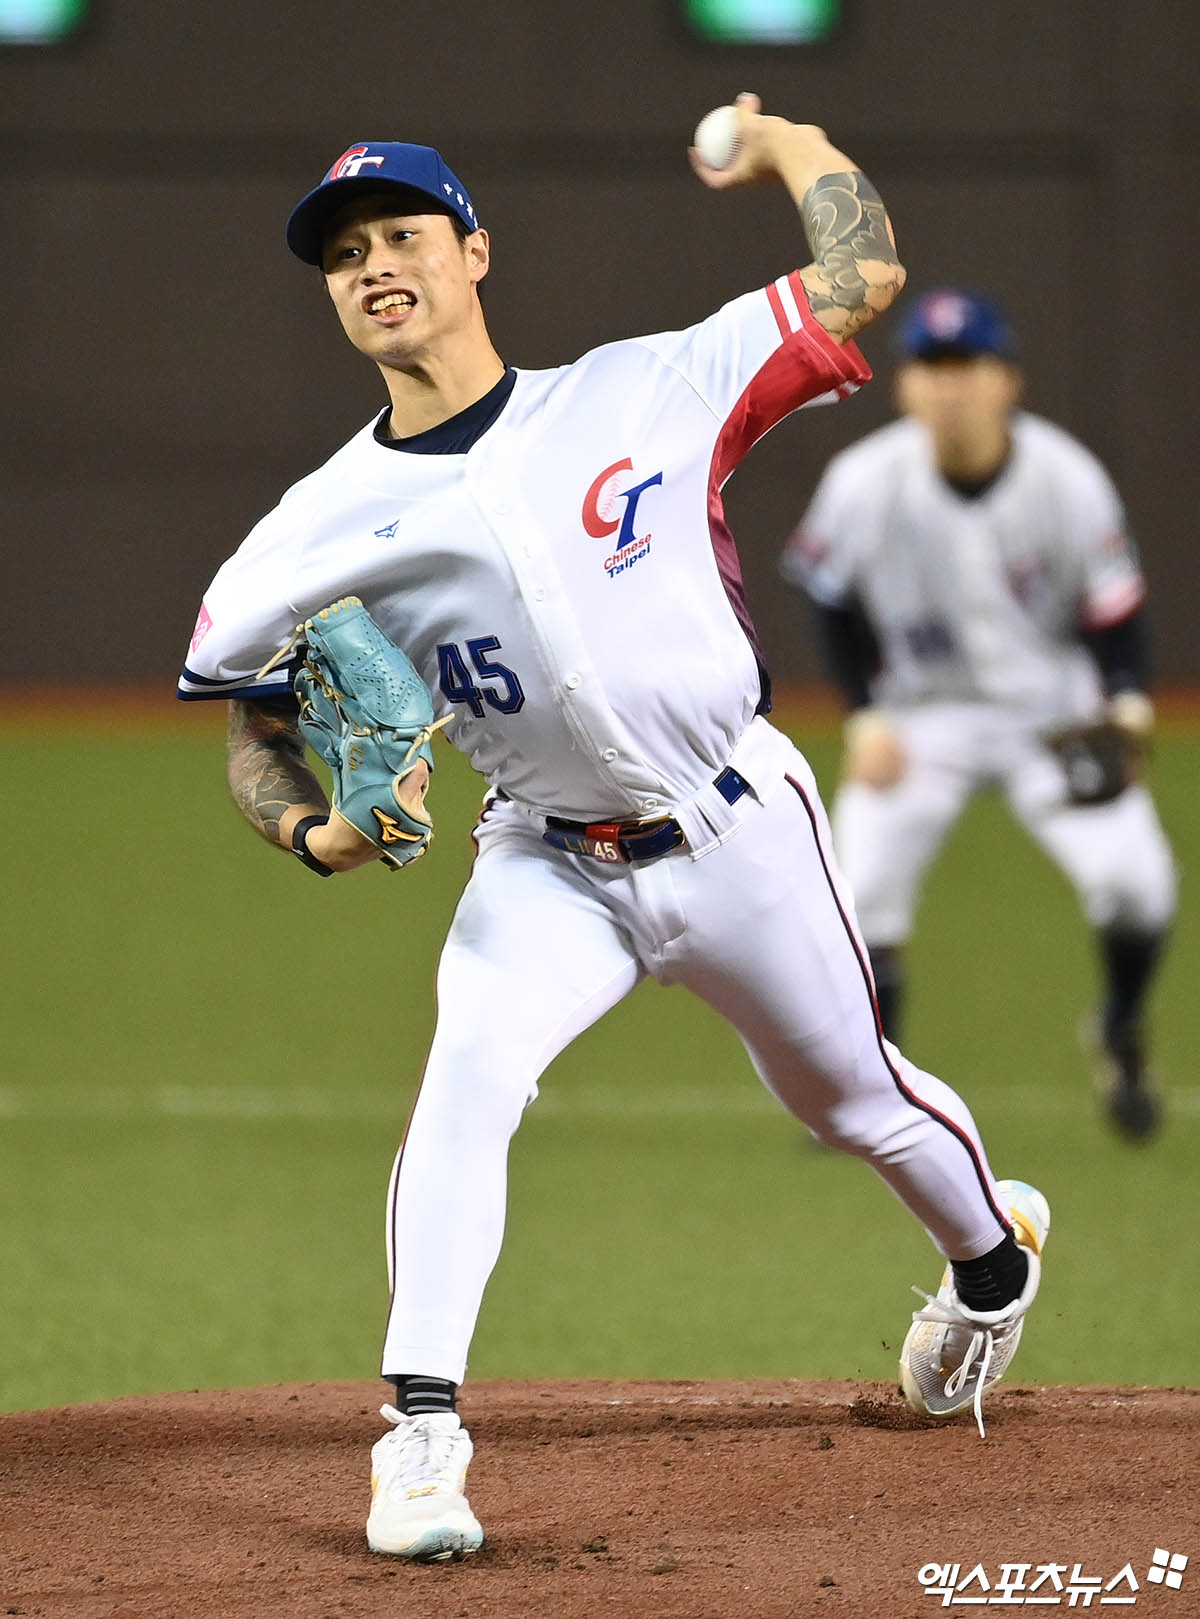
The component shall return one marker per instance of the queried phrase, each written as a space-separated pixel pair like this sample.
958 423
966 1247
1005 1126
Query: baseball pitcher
538 562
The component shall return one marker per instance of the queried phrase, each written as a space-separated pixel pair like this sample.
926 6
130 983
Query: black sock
888 972
1130 958
993 1280
416 1396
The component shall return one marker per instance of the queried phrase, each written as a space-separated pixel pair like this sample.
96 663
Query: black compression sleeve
284 705
849 650
1122 653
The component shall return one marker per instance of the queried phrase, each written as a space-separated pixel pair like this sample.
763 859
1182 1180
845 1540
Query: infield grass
209 1057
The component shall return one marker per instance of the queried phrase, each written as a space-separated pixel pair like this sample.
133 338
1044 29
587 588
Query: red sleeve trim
1114 604
807 364
788 298
776 303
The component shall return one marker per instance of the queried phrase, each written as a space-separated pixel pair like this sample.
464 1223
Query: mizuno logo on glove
390 830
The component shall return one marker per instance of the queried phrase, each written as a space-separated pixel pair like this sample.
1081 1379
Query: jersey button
609 755
571 682
539 595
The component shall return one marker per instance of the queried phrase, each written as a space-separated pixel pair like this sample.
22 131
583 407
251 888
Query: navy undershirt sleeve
285 706
1122 653
849 649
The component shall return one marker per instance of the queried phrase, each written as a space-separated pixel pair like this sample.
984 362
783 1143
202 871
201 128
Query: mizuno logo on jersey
603 515
388 533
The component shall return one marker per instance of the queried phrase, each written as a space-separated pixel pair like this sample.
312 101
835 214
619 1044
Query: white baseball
717 138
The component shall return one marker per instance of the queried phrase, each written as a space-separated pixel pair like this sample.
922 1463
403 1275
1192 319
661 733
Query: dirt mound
730 1500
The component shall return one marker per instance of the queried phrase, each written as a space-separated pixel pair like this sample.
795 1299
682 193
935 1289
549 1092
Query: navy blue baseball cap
368 167
951 321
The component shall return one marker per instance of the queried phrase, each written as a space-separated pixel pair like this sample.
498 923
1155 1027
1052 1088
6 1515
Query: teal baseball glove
366 711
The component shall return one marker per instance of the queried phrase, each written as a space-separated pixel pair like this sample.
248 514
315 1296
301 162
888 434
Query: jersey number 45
503 692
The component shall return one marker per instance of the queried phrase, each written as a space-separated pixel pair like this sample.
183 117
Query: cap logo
351 161
945 315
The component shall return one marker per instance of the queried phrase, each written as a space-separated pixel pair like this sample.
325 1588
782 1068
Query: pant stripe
864 968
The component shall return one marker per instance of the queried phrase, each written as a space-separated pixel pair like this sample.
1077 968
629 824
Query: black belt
625 842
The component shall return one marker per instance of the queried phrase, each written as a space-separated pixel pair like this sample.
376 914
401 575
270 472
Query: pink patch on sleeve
203 625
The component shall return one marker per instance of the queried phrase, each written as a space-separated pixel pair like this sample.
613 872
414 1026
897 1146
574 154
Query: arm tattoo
266 767
855 272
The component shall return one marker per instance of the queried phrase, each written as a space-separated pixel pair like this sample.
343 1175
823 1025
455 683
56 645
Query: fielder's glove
366 711
1101 760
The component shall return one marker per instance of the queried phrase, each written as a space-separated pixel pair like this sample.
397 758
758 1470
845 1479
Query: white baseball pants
1115 855
543 943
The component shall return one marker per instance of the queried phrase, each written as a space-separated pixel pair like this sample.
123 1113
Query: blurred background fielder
981 611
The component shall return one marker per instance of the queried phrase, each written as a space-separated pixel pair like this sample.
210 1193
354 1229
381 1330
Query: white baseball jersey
976 598
976 603
570 591
567 587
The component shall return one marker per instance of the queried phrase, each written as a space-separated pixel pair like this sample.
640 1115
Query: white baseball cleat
418 1475
953 1355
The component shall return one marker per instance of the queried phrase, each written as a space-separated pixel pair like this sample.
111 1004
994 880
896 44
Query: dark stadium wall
171 369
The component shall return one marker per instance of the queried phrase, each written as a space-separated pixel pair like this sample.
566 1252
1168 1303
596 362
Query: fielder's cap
368 167
951 321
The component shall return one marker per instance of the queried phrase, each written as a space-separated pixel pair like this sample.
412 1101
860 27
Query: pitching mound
624 1500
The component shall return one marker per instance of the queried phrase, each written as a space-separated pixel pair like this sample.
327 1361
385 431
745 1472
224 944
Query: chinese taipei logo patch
610 507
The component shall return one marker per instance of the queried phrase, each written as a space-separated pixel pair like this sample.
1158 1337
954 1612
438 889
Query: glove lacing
424 735
279 656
